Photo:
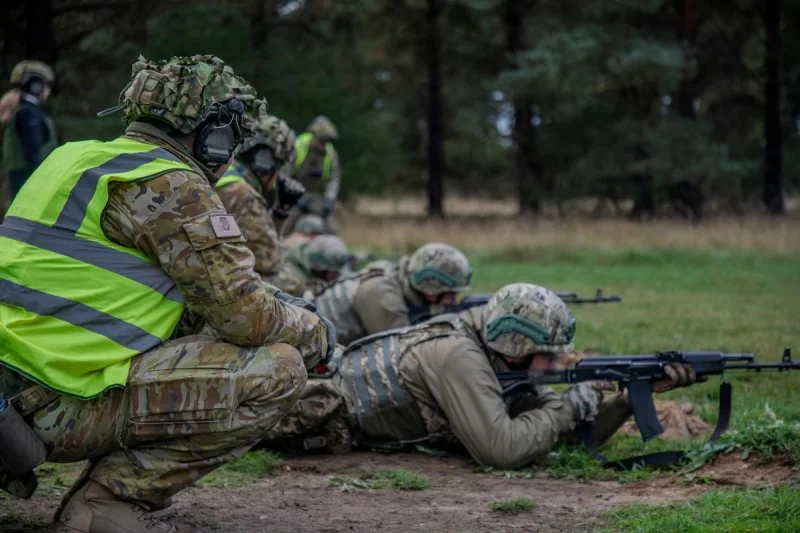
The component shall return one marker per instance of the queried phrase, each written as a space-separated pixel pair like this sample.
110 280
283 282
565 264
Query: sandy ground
299 499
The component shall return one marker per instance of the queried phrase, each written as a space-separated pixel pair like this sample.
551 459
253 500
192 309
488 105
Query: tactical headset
219 135
263 161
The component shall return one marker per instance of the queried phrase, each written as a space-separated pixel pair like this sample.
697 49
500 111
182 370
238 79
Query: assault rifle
425 312
636 374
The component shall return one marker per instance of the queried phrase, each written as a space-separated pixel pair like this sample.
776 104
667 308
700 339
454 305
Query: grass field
727 285
730 286
727 298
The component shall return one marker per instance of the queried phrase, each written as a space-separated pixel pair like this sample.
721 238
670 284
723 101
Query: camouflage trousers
190 405
315 423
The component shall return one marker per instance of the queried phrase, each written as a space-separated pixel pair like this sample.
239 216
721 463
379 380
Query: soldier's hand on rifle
585 399
678 375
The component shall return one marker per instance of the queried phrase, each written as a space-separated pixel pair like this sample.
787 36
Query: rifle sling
658 459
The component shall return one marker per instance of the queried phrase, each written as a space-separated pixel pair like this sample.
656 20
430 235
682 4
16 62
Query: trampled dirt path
300 500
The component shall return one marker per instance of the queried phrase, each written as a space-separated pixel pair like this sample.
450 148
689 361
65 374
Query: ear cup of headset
263 162
214 144
35 87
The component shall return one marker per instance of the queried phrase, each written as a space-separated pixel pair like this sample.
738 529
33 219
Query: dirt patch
731 470
457 499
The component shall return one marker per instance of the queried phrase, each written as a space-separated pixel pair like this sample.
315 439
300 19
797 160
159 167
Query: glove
290 192
330 329
678 375
302 204
585 399
327 207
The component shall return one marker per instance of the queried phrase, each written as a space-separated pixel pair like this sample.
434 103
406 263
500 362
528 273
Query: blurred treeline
687 106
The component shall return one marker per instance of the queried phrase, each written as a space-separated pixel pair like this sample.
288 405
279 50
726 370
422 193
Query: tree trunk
773 189
435 114
687 37
523 133
40 42
685 195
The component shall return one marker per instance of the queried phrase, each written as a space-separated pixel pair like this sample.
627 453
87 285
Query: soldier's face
448 298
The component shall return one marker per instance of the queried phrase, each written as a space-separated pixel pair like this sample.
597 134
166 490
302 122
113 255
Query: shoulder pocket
228 262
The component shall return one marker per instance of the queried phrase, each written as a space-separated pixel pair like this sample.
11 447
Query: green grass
395 478
245 470
715 300
517 505
732 301
716 511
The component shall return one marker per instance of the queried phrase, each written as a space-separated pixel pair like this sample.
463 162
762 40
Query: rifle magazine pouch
21 449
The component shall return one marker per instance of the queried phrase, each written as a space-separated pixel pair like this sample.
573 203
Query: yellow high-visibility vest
75 307
302 144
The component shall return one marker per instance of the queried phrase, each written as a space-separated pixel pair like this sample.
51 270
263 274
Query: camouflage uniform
379 297
437 382
197 401
308 261
246 203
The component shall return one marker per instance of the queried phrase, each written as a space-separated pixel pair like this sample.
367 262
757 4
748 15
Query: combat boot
94 509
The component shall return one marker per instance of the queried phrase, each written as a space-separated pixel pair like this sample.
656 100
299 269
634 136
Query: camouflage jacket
168 219
456 395
252 213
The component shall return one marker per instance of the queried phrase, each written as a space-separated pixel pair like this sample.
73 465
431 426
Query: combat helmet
323 129
27 73
276 135
523 319
438 268
327 253
194 94
311 225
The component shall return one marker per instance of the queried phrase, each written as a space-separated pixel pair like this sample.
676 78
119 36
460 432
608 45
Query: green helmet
523 319
275 134
311 225
438 268
184 91
327 253
323 129
28 70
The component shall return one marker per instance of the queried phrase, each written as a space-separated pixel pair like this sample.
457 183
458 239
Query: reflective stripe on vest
303 144
232 175
75 307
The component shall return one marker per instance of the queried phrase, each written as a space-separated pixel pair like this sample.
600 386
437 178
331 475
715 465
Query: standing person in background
29 135
317 167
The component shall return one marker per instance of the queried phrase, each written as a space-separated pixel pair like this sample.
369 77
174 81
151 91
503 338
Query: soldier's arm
335 179
380 305
254 219
465 387
168 218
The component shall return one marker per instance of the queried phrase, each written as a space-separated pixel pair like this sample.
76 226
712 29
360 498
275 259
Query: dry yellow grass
776 236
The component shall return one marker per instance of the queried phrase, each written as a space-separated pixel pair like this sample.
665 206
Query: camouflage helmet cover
310 224
24 71
327 253
276 134
181 91
438 268
523 319
323 128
